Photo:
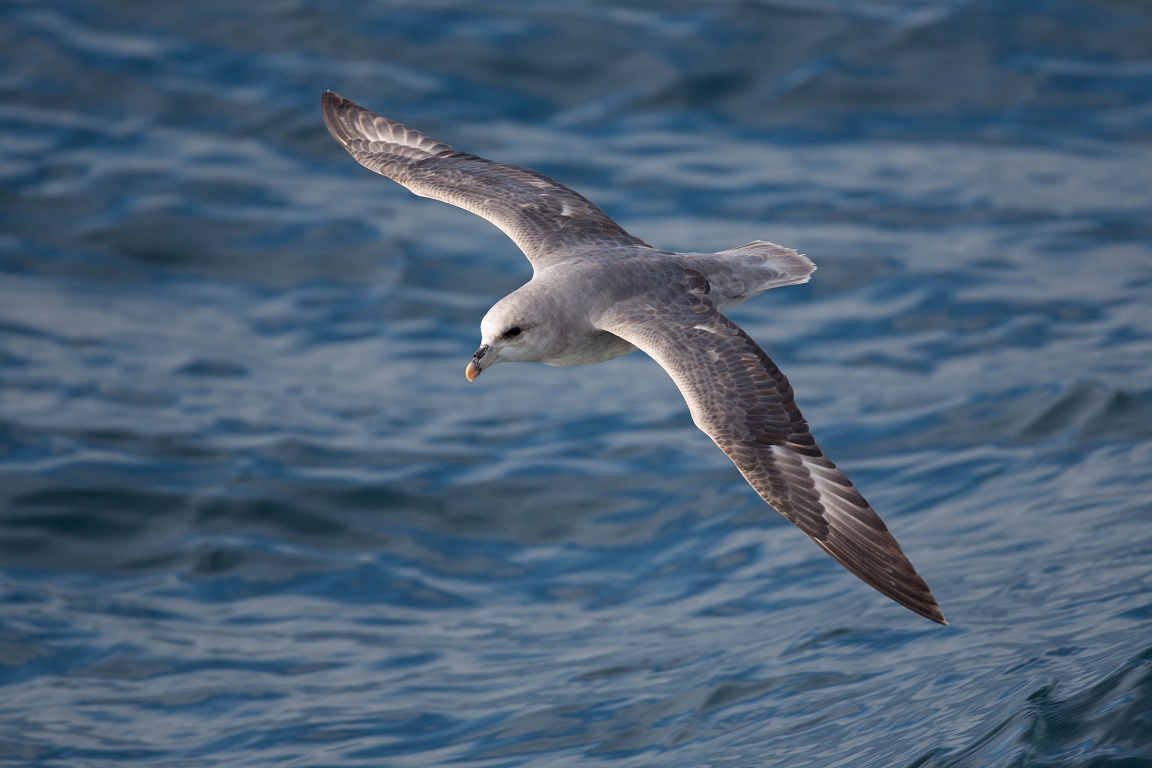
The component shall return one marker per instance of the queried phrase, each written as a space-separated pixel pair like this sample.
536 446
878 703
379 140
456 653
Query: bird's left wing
743 402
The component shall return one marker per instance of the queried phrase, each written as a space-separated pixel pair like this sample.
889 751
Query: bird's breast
595 347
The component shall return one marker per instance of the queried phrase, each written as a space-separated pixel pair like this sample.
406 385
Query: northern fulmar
598 292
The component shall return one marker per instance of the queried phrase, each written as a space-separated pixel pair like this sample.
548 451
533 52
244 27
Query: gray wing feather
743 402
538 213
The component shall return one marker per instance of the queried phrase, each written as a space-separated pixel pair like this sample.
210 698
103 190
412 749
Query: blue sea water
251 513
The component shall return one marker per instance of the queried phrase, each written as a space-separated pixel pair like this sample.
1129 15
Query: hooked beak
478 363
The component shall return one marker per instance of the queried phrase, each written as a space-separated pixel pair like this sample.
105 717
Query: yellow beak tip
471 372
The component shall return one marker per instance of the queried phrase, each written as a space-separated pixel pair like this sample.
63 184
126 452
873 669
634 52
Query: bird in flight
598 292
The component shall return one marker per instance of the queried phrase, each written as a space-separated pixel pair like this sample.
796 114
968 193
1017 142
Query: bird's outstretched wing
743 402
538 213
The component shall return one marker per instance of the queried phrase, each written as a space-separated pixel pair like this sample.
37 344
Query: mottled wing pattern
538 213
743 402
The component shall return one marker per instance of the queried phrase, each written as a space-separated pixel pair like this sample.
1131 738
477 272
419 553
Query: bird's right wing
539 214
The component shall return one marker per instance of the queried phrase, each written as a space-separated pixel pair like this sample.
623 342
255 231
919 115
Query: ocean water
251 513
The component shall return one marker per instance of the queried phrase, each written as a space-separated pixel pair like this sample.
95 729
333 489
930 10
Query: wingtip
917 597
895 578
925 606
937 616
332 107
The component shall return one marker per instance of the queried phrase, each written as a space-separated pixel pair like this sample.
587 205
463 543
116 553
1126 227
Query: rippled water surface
251 513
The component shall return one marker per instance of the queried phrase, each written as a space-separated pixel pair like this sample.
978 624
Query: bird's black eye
515 331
